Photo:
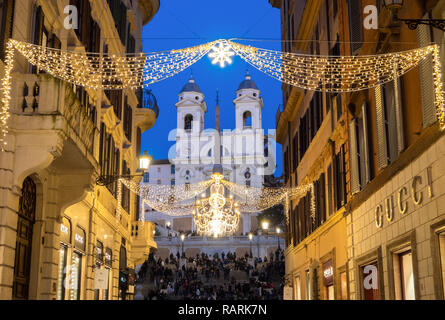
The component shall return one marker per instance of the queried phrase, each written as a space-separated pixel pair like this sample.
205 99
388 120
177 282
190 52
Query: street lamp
144 164
278 231
250 242
182 240
395 5
144 161
265 225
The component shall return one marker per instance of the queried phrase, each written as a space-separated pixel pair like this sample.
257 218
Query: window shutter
366 151
7 21
355 26
382 156
355 175
399 115
323 197
426 78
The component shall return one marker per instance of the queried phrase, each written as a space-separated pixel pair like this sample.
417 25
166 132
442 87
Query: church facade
243 152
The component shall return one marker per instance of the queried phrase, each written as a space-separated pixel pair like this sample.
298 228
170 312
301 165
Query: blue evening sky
180 24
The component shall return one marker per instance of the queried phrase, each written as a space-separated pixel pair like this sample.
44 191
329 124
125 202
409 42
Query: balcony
48 104
147 112
142 235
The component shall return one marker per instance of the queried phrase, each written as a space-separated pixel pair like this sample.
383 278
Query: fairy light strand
332 74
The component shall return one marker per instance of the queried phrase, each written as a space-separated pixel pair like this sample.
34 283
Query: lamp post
250 242
182 247
395 5
144 164
278 231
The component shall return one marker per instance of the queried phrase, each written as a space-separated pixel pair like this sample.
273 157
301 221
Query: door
25 223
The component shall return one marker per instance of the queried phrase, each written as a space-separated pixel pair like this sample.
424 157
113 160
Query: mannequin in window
188 122
247 120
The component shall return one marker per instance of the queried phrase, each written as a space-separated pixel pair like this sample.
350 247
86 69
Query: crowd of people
204 277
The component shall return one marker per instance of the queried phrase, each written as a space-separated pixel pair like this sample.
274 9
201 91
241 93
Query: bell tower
248 105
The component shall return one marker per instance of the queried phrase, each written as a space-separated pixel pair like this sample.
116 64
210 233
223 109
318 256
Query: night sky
179 24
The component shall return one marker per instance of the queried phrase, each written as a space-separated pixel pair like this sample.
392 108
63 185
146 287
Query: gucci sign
406 195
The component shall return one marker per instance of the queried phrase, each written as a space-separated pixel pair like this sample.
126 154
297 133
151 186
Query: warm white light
221 53
265 225
250 236
182 237
144 161
278 230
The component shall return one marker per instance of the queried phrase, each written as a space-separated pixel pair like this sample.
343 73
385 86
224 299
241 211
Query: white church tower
248 135
191 109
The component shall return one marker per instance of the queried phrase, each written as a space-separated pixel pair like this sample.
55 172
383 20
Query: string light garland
180 200
6 94
332 74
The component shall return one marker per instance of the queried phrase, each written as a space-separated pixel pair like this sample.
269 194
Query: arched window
188 120
247 120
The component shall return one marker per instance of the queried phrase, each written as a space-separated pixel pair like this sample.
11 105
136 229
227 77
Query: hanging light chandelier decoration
332 74
216 215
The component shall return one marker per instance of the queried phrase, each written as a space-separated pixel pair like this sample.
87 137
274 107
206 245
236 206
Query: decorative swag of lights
216 214
332 74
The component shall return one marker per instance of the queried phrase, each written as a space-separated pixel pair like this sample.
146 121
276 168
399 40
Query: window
308 285
76 271
125 190
297 288
370 281
404 276
320 201
146 177
188 120
62 272
172 169
359 150
159 181
340 178
173 182
6 22
159 169
286 165
247 120
330 191
339 106
187 186
295 152
328 279
247 183
390 140
344 286
442 257
355 25
128 119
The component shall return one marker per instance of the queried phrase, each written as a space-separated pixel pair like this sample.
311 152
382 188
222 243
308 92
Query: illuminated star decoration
221 54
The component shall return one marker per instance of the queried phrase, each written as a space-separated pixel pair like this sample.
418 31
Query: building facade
311 128
395 219
382 156
242 154
60 236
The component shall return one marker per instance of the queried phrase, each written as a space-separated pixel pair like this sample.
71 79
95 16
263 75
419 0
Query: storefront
328 280
398 234
77 263
65 243
101 273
